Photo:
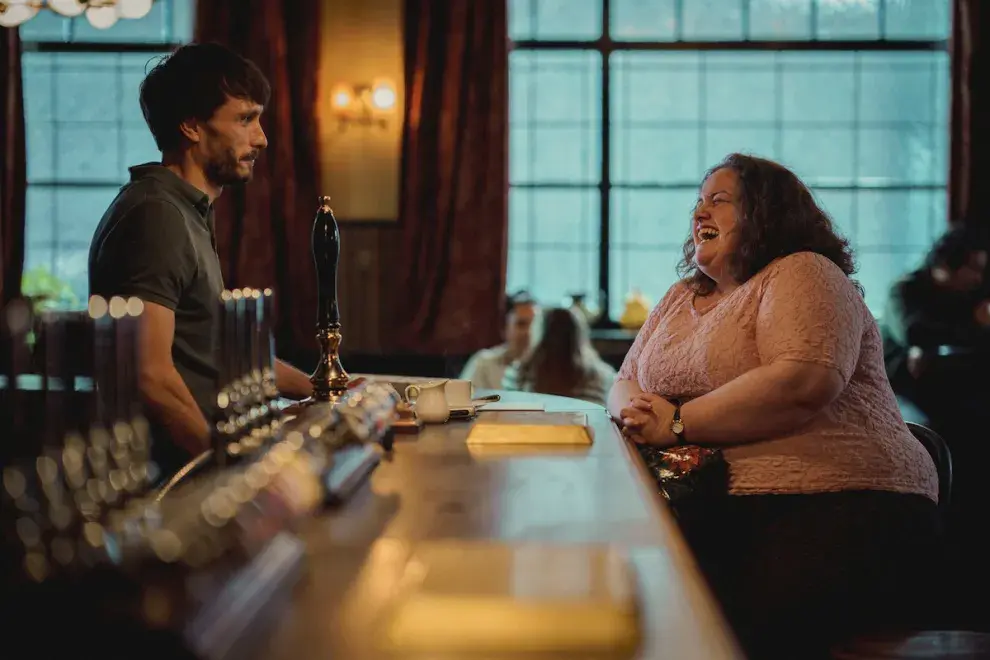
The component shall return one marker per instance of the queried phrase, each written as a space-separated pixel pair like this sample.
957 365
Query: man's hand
295 384
291 383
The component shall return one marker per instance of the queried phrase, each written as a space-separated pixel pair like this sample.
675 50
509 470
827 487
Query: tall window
617 108
85 127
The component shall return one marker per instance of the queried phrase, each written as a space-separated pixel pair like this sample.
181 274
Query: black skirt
795 574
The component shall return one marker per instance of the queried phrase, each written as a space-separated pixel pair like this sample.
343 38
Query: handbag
689 477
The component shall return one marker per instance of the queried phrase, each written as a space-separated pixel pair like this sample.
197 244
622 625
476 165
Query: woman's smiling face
714 226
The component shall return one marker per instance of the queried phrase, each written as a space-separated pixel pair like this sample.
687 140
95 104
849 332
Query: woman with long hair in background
562 361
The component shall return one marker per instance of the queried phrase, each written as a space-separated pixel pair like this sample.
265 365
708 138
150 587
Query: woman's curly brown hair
778 216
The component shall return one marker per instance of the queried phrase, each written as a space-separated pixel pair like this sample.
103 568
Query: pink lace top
801 307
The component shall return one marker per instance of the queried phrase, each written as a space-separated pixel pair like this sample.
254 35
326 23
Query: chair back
939 451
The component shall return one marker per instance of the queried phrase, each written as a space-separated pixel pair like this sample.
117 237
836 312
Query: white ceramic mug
430 401
460 393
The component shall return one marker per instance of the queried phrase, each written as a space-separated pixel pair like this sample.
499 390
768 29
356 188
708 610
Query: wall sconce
363 104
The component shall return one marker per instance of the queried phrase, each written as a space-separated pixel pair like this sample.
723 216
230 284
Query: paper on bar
522 428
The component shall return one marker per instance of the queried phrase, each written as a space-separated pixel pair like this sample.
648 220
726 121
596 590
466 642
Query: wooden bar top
435 487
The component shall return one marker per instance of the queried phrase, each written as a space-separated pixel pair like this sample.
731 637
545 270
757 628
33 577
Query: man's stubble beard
223 170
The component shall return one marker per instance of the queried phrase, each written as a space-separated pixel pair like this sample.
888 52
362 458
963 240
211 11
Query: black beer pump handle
329 379
326 255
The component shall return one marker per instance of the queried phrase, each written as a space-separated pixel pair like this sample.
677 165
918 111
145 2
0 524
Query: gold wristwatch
677 424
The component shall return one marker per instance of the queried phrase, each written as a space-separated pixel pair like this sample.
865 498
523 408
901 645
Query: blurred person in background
486 368
937 354
936 331
562 361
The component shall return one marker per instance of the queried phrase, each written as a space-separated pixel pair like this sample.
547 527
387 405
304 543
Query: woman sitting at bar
767 350
562 361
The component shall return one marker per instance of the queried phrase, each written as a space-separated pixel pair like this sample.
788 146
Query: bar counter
433 486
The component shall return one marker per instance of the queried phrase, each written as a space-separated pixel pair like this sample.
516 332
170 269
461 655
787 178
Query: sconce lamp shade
67 8
100 13
383 96
102 17
342 97
12 14
363 104
135 8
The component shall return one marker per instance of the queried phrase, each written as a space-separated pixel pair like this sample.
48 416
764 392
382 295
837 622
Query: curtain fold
970 124
263 227
13 167
454 184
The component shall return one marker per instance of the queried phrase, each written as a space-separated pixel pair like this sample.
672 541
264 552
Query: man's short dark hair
518 298
191 83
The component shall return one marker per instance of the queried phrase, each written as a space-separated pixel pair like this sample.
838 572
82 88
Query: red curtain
263 227
970 133
13 167
454 197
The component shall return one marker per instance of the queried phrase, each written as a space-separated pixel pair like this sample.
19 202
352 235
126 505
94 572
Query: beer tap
329 379
267 352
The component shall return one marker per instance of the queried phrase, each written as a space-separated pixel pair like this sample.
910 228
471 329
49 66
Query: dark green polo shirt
157 241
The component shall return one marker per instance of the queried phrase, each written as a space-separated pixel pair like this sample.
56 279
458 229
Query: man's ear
191 129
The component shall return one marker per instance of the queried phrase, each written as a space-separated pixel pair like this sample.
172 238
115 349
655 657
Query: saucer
462 412
471 404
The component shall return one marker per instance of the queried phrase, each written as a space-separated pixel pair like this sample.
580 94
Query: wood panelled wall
367 286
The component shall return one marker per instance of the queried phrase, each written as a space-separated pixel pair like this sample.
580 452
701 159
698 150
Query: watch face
677 427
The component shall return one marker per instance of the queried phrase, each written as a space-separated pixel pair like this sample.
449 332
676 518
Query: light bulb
102 17
67 7
13 15
341 96
134 8
383 96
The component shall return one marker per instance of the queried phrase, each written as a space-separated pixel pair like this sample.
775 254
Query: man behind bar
157 240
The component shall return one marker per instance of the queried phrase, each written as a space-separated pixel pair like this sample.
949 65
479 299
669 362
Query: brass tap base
329 379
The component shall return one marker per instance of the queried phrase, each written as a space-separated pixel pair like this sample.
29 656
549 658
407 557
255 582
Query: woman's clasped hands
646 420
